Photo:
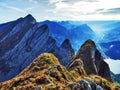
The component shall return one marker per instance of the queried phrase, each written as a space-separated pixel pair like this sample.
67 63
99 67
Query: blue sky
60 9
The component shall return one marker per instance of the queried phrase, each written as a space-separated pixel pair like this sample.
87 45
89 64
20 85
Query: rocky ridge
46 73
21 41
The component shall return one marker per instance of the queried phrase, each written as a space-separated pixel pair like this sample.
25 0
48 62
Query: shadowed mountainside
22 40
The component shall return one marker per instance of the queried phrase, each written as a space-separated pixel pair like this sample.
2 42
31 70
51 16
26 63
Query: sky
60 9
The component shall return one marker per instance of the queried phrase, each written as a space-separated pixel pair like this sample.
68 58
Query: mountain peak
93 60
66 43
30 18
47 58
45 26
89 43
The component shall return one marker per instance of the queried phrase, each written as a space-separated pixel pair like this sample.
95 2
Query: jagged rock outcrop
58 32
21 41
64 52
76 67
11 34
46 73
92 60
102 67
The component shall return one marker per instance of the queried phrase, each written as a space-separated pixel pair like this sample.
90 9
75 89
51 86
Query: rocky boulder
76 67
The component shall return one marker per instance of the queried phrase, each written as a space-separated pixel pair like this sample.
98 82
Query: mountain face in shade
115 77
21 41
58 32
10 30
113 34
46 73
64 52
110 43
112 49
92 60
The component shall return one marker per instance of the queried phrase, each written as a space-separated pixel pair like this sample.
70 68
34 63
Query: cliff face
93 62
64 52
21 41
46 73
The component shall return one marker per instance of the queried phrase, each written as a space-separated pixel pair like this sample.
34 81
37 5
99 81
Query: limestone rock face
22 40
64 52
86 54
92 60
102 67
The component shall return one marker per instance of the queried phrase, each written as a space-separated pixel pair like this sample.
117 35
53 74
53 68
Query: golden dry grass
46 73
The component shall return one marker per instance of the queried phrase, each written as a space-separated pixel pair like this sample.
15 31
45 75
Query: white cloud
66 9
33 1
16 9
61 5
85 10
30 8
114 65
54 1
25 10
12 7
108 4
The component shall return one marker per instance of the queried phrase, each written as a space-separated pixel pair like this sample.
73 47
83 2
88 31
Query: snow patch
111 46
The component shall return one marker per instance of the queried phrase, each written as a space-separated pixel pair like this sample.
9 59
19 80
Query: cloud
12 7
75 1
78 9
54 1
16 9
70 1
67 9
114 65
33 1
112 11
25 10
39 1
30 8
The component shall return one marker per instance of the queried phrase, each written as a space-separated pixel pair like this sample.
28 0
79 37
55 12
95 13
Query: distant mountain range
78 32
111 49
